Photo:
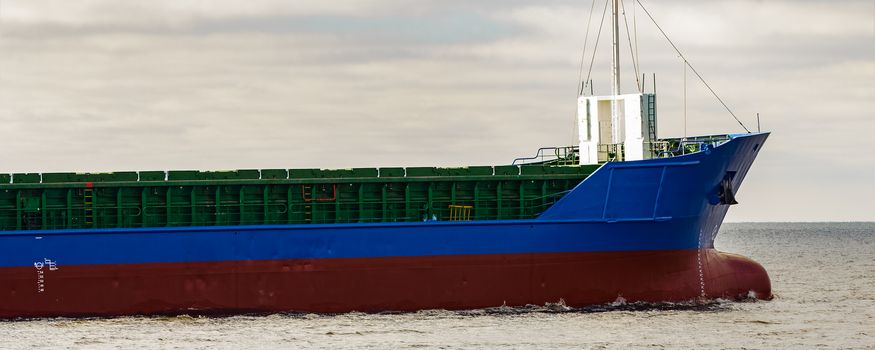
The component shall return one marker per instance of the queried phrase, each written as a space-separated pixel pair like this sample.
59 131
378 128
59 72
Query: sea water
823 278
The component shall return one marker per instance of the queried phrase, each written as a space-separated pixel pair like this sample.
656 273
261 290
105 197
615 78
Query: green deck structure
280 196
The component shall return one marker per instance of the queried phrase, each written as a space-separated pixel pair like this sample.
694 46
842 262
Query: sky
104 85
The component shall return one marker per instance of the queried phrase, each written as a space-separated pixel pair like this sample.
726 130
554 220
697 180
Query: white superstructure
622 130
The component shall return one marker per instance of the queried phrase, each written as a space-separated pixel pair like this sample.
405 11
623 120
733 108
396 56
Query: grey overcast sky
107 85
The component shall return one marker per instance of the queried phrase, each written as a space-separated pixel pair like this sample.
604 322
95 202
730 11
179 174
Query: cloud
174 13
107 85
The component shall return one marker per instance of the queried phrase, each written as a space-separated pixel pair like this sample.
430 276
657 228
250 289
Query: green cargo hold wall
278 196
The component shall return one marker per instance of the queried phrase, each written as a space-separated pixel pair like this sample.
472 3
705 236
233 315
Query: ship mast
615 71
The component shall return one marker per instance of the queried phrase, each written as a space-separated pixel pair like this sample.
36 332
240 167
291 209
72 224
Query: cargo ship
622 215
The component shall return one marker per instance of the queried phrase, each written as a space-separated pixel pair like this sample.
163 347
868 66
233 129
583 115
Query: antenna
615 63
643 82
758 123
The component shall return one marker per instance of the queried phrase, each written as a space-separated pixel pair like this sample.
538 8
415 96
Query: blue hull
659 205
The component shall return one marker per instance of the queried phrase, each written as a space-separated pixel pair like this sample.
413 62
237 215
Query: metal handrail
699 142
558 153
611 152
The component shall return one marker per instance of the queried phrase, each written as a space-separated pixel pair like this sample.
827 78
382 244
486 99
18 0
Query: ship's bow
727 275
675 205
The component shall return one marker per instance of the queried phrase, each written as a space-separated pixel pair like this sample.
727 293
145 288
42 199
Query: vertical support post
311 204
543 195
143 208
337 215
498 200
69 208
476 199
168 199
42 209
654 83
385 211
241 200
219 216
266 201
430 202
94 220
89 199
361 201
408 215
18 214
643 82
118 207
289 205
758 123
522 198
615 72
193 208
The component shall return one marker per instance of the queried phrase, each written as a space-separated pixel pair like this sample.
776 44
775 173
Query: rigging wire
687 63
598 36
637 52
631 49
580 88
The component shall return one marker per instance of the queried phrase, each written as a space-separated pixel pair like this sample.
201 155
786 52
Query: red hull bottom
379 284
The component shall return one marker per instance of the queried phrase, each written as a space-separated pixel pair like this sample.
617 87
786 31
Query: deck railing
686 145
564 155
